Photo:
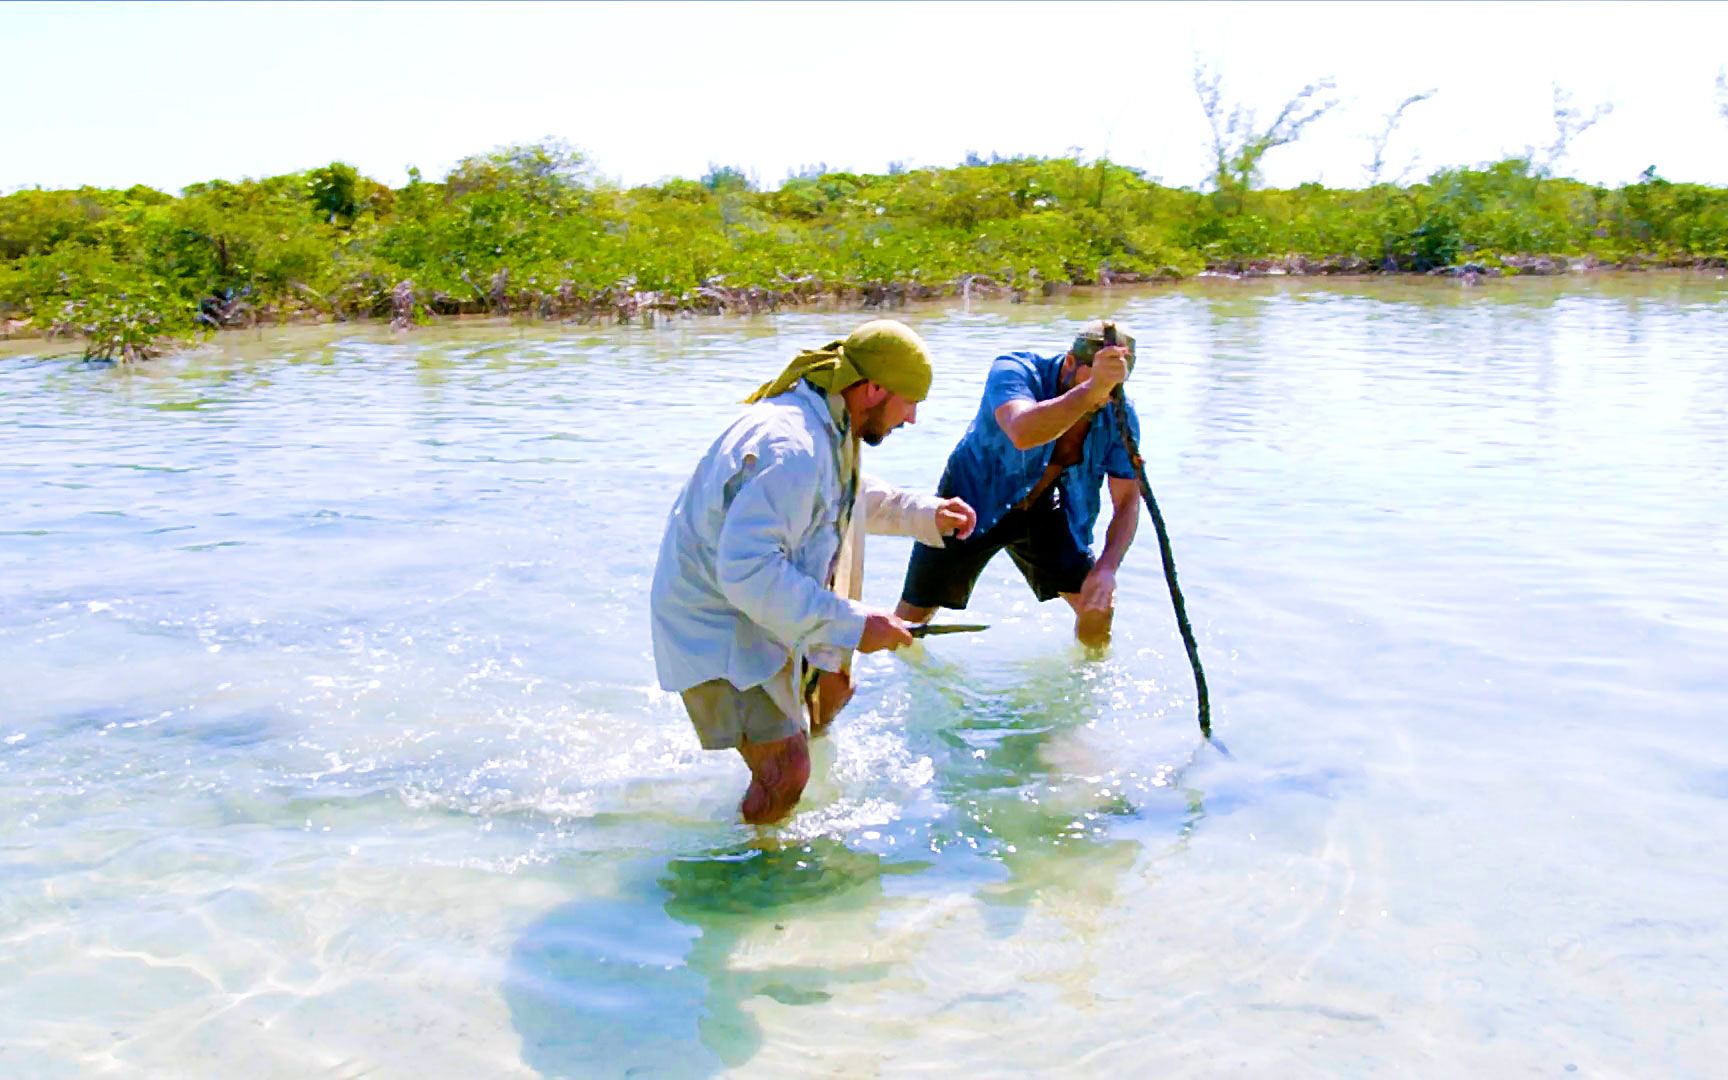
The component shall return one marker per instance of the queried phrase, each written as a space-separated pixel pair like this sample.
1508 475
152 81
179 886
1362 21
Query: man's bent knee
779 771
1092 628
829 695
912 613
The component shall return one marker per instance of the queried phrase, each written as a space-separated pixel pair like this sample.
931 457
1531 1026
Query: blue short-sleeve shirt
992 475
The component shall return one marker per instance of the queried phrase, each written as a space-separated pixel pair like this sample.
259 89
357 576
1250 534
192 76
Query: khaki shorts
726 716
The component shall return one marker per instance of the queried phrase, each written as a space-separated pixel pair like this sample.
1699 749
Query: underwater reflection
599 987
1046 790
1039 779
602 987
732 896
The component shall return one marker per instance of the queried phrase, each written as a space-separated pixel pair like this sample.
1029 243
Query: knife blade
947 628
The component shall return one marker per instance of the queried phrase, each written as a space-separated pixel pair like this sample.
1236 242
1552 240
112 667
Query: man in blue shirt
1032 464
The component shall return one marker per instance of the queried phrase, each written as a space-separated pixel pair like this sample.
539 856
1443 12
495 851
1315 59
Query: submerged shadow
1034 787
1038 811
646 984
599 988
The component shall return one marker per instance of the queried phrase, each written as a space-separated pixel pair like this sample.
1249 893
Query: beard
873 428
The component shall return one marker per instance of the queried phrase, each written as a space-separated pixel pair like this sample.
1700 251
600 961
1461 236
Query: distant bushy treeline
529 230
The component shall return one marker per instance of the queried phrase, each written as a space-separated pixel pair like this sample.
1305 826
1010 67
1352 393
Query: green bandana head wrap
886 352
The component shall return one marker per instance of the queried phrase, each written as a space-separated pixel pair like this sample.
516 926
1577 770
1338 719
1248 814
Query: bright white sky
169 94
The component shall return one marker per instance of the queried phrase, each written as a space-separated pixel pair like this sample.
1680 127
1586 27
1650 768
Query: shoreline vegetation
529 232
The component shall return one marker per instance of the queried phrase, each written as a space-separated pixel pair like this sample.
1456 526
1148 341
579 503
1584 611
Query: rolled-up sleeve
753 567
891 511
1010 379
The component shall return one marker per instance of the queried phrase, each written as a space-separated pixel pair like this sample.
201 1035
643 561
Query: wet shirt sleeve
1009 379
986 468
891 511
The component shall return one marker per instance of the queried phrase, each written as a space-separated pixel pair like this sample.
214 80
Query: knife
946 628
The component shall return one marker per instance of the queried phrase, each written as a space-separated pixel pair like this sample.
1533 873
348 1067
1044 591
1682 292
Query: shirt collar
838 412
840 421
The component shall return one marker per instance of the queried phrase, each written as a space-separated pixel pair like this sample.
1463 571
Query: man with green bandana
755 606
1033 462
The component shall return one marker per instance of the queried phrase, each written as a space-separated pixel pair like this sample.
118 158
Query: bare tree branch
1569 123
1377 166
1238 143
1208 85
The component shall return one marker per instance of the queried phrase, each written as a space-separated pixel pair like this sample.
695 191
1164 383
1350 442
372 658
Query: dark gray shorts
1037 538
726 716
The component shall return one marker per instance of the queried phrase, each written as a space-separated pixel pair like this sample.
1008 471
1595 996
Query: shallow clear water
329 739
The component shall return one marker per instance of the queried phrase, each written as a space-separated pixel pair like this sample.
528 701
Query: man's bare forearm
1029 425
1119 537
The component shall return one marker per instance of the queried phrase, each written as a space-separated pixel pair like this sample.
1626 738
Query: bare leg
1091 628
918 615
830 694
778 772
